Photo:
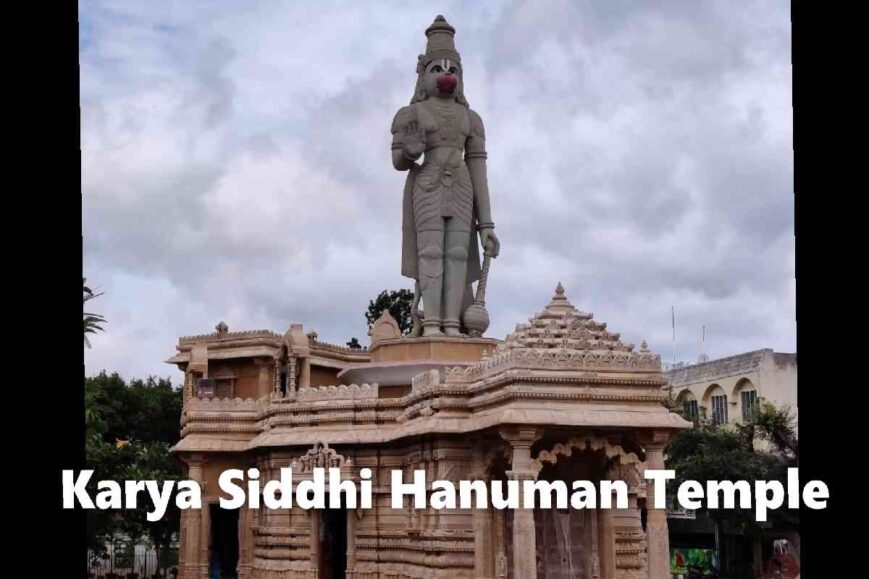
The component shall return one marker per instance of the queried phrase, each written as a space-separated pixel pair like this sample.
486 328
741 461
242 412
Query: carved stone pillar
245 536
606 543
314 515
500 544
305 374
205 542
524 535
276 386
189 385
626 543
190 525
595 542
484 545
291 373
524 540
192 566
352 516
657 534
189 536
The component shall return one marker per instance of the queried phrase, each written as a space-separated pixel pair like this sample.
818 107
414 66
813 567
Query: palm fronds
92 322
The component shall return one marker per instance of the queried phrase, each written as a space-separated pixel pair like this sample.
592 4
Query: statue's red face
447 83
441 78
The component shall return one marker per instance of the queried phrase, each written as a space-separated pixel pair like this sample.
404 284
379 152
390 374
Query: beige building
726 389
560 398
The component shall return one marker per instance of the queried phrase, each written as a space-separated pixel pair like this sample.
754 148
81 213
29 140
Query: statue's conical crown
441 41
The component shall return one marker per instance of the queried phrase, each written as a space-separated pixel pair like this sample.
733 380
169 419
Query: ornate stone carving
593 444
425 380
320 456
564 330
228 334
339 392
630 548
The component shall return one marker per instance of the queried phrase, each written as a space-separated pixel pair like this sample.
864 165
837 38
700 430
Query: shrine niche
566 544
567 539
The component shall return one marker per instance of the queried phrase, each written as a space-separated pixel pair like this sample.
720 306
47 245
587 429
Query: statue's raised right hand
414 140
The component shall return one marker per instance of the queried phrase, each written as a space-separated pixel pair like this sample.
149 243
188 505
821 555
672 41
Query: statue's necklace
446 119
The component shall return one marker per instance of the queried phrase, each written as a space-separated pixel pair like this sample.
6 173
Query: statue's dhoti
441 192
443 200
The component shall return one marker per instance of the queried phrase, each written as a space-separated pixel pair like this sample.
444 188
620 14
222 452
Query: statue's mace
476 318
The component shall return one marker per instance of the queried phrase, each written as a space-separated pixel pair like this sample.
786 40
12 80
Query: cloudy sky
236 165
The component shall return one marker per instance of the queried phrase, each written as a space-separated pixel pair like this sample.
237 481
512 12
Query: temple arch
581 543
581 444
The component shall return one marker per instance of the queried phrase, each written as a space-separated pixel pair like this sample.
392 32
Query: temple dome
562 339
561 326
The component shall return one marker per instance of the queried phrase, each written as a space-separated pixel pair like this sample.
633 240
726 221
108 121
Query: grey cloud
236 165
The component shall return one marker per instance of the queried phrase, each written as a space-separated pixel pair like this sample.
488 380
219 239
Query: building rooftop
688 372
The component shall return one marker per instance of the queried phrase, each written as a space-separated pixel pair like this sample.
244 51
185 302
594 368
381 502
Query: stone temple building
560 398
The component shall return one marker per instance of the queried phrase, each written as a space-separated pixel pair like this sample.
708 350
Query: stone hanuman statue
446 199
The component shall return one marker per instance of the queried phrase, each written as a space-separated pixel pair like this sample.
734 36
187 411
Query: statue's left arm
475 159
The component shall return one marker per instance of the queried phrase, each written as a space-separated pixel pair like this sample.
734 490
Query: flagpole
670 383
673 322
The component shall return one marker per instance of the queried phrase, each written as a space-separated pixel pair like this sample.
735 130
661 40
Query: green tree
130 428
148 410
729 452
152 461
92 322
776 426
398 302
354 344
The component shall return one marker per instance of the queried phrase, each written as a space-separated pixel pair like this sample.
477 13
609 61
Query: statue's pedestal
442 348
394 362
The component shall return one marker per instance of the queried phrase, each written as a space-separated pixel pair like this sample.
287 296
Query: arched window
747 394
717 399
688 402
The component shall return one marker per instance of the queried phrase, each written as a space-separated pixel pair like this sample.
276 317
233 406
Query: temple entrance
333 543
566 539
564 543
223 551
